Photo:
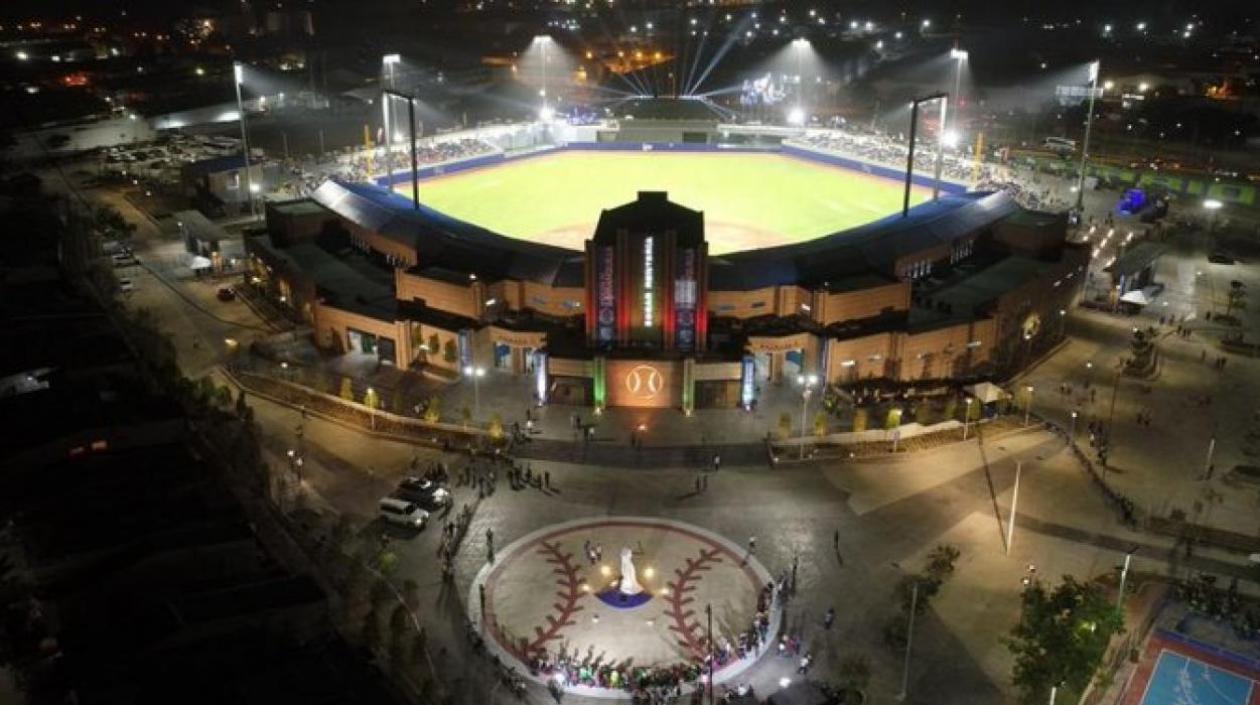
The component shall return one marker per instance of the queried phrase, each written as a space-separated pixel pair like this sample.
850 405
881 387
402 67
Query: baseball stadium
668 264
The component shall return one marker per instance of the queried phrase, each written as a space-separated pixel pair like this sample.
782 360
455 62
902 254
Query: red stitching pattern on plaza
569 594
518 647
679 598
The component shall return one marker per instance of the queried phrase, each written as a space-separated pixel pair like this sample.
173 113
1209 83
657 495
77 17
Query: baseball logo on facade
644 381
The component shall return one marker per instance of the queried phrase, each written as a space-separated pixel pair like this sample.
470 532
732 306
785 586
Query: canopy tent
987 392
1136 296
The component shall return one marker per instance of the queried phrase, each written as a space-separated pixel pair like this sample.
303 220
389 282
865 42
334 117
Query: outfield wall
487 160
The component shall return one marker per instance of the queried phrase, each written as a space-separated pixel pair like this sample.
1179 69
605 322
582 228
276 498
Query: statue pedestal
616 599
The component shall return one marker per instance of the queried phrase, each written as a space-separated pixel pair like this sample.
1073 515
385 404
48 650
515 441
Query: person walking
717 462
830 618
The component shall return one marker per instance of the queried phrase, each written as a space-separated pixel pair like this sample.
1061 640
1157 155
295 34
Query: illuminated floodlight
238 72
546 113
545 37
958 54
390 59
926 23
950 138
1212 204
254 188
22 56
796 116
800 42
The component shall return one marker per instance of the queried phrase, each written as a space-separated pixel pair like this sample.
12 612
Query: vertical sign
685 302
605 296
649 276
540 376
748 382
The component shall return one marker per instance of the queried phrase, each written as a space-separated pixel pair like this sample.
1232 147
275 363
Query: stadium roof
872 247
448 242
453 244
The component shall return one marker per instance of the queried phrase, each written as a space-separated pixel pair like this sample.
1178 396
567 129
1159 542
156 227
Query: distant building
218 185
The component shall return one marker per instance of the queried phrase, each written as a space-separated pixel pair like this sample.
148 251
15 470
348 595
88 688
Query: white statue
629 583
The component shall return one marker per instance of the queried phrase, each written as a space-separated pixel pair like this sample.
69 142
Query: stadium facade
967 286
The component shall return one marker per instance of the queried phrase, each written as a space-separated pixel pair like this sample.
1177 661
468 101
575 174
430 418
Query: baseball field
750 200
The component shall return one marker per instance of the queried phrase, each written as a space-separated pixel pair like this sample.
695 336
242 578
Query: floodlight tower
545 112
389 61
960 57
914 127
797 115
1089 123
238 74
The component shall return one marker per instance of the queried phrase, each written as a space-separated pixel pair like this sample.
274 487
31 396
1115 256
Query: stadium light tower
545 113
238 76
914 126
797 115
389 61
960 57
415 161
1094 68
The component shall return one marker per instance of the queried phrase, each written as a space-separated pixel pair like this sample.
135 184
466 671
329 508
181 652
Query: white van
403 513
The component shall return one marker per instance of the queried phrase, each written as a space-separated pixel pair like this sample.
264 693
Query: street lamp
914 126
1089 123
967 416
806 383
914 605
1028 403
1072 429
476 373
1010 521
238 74
1124 575
1212 205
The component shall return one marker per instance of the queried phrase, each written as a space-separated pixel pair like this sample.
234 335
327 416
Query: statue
629 582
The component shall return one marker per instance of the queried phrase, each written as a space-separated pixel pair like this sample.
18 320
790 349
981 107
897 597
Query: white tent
986 392
1136 296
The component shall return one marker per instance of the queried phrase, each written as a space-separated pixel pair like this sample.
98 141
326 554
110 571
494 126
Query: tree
855 673
820 423
893 419
433 412
859 419
371 399
1236 297
1061 638
347 389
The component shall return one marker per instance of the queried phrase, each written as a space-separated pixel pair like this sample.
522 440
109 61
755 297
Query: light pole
806 383
238 73
1089 123
388 61
545 112
905 668
1212 205
1124 576
914 128
411 131
797 115
960 57
1207 464
967 416
708 611
1028 403
1062 323
1010 522
476 373
1072 430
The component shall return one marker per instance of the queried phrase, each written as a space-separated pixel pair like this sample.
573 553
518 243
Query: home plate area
604 606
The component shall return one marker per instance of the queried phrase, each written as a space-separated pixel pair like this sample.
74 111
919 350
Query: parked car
425 493
226 294
402 512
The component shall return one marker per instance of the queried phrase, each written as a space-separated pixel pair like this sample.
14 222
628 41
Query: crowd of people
363 165
659 684
890 151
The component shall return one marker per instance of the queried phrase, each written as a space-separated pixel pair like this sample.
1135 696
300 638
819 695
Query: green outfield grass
749 201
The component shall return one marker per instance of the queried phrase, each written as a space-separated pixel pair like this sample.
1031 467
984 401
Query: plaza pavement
887 511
